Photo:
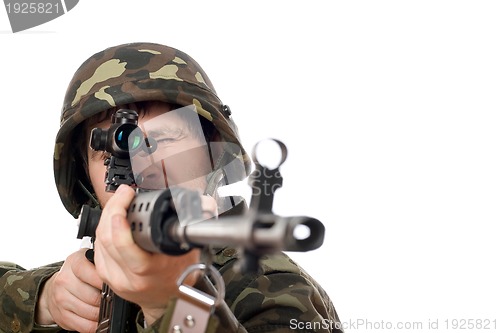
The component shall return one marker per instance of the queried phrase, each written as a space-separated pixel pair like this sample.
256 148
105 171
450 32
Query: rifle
170 220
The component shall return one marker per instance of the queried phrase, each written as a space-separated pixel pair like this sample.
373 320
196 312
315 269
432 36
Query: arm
49 298
19 295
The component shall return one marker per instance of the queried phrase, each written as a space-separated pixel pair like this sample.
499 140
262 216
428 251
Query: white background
390 111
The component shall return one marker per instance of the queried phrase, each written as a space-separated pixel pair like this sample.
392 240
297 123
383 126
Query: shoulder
229 262
281 289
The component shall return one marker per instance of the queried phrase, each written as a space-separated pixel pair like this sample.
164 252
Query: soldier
157 81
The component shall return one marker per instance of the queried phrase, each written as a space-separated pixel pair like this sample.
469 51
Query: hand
70 298
144 278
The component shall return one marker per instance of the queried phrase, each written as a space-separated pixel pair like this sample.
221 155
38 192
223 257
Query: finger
115 249
68 311
86 294
72 322
209 206
85 271
81 308
130 253
68 289
107 267
116 206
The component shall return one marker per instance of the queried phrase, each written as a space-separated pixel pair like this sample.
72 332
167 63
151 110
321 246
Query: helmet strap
223 174
89 194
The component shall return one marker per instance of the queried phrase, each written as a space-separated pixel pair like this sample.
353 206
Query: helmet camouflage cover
125 74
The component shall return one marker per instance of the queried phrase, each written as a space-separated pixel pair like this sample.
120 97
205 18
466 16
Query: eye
166 140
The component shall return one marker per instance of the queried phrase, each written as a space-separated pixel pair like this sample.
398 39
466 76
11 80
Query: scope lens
126 138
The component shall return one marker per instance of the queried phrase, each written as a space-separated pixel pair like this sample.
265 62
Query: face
178 157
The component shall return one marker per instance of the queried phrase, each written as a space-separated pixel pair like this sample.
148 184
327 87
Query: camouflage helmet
131 73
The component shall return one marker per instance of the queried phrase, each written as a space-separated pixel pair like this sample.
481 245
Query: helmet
131 73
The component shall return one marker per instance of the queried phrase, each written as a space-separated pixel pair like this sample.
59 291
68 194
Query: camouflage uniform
281 294
264 302
18 295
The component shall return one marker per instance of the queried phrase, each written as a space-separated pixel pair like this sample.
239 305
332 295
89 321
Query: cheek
190 170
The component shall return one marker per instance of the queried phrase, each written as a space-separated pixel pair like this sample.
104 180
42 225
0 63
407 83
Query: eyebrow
166 130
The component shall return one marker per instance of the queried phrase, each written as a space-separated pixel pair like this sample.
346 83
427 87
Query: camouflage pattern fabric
18 296
130 73
274 301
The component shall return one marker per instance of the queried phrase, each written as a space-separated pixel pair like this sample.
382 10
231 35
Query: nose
153 177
